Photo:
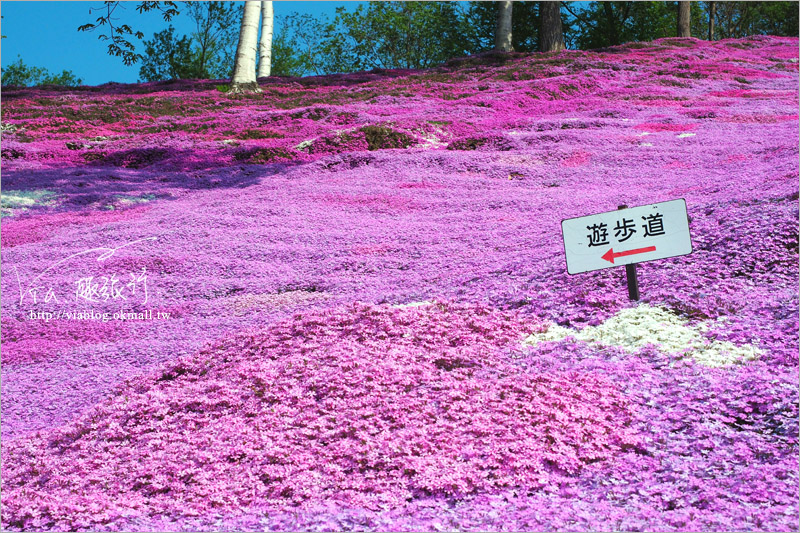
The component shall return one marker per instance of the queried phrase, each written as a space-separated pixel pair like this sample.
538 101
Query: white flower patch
432 140
134 199
645 144
682 135
412 304
19 201
9 127
634 328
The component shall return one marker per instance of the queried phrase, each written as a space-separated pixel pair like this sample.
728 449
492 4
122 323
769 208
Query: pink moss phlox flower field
361 405
332 289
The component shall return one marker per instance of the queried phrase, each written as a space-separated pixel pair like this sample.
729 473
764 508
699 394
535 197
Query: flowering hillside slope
342 303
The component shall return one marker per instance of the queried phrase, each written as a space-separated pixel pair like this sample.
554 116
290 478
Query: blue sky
45 34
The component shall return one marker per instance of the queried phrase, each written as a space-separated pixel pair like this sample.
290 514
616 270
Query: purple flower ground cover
329 287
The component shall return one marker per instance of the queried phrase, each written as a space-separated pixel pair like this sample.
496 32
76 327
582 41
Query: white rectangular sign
631 235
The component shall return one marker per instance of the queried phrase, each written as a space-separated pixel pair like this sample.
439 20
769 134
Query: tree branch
120 46
577 17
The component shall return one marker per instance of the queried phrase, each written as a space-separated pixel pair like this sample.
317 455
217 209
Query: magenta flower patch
365 406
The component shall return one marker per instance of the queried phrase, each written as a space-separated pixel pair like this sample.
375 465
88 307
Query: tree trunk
712 14
684 19
551 37
502 34
614 24
244 69
265 45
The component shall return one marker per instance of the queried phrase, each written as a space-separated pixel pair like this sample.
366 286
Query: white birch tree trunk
265 45
244 69
502 34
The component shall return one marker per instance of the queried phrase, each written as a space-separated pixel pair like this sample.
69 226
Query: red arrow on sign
610 255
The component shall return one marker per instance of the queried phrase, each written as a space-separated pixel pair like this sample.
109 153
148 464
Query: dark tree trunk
551 37
684 19
502 34
712 14
613 31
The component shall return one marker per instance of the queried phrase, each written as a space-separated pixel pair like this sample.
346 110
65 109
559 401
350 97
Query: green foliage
602 24
206 54
379 137
167 57
740 19
423 34
482 19
376 35
18 73
284 61
402 34
215 37
297 45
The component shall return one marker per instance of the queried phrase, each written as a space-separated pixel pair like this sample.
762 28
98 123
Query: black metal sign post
630 274
633 282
